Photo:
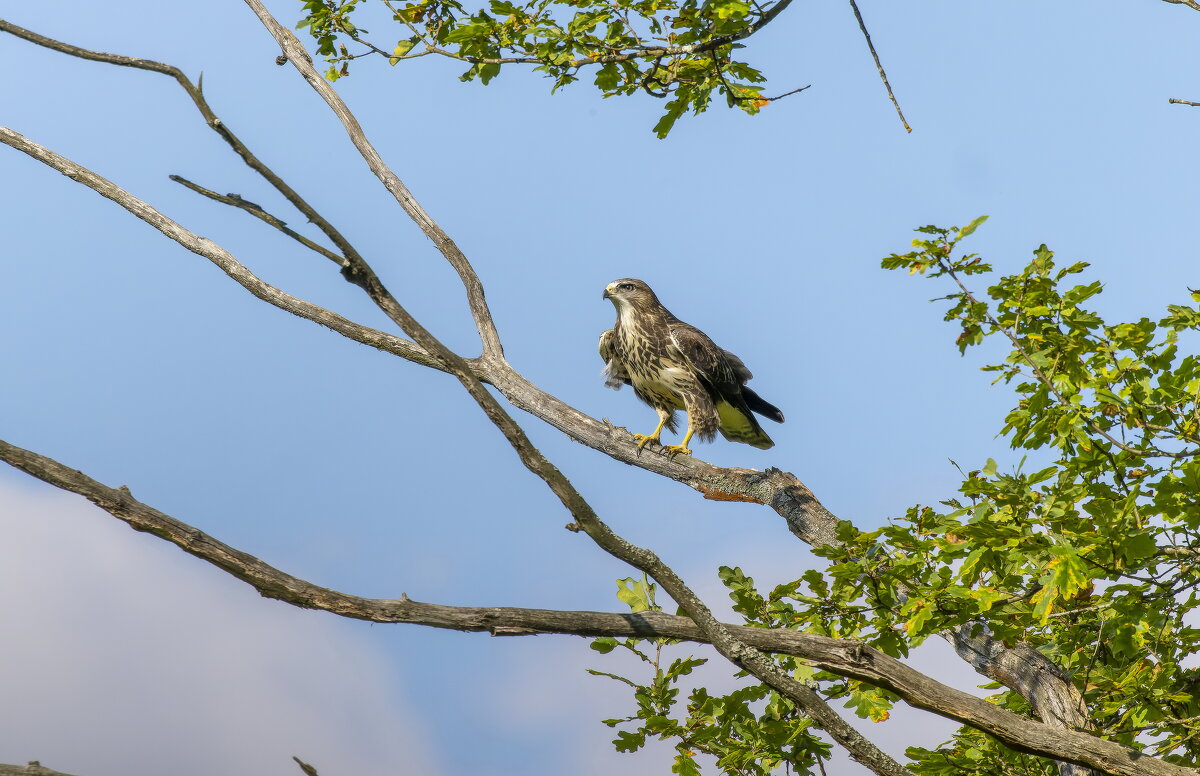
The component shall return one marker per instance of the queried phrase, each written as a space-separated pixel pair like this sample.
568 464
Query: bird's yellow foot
676 449
642 439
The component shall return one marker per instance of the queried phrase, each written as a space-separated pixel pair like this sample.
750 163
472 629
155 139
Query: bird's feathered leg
663 417
702 418
682 446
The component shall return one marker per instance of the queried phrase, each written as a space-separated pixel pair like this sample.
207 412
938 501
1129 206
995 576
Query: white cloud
124 656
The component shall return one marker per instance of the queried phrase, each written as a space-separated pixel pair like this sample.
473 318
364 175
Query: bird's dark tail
761 405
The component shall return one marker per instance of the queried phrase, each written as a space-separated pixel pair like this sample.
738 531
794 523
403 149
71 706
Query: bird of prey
673 366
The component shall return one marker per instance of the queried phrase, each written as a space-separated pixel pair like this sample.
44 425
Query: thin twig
879 65
785 94
1176 101
257 211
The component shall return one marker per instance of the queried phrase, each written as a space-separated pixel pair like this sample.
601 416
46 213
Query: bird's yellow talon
676 449
642 439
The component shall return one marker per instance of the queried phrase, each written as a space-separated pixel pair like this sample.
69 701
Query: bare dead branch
843 657
879 65
1174 100
299 58
256 210
1195 6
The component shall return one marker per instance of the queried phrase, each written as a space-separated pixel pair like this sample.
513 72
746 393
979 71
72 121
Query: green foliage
749 731
1090 557
678 50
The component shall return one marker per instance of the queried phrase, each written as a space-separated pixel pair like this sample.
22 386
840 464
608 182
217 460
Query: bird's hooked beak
606 294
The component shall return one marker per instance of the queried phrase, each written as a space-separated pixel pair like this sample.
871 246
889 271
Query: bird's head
629 292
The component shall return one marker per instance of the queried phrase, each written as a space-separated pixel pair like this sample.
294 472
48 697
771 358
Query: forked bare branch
298 56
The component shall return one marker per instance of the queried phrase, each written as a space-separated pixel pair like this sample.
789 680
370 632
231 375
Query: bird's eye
625 287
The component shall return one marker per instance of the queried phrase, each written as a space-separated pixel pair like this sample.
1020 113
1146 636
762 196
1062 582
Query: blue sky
141 364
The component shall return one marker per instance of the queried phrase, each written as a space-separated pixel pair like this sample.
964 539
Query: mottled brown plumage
673 366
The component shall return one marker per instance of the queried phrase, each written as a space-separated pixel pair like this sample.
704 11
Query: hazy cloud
124 656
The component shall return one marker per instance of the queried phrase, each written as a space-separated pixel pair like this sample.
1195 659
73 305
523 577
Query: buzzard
673 366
